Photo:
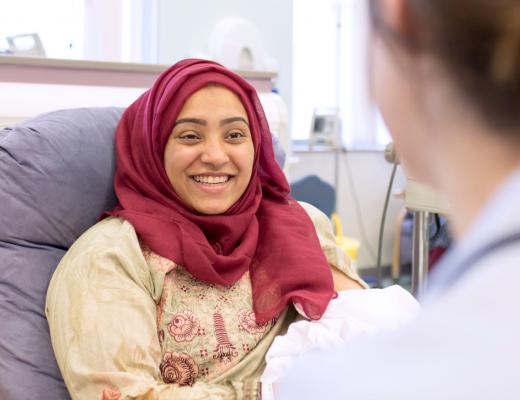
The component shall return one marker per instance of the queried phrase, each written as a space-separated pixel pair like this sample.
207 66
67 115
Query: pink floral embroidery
225 350
184 326
178 368
111 394
247 321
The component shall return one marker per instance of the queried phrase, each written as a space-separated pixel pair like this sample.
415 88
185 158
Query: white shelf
97 73
421 197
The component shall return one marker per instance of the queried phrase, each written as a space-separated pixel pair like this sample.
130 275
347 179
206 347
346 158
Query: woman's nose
214 152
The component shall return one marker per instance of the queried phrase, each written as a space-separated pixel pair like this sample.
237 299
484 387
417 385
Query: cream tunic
126 323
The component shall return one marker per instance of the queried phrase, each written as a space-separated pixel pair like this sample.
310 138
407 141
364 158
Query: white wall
184 27
20 101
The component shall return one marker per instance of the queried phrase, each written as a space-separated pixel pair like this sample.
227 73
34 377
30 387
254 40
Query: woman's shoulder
106 233
109 239
310 209
335 255
319 219
325 233
109 250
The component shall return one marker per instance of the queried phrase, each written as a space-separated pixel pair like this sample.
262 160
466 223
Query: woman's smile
211 179
212 183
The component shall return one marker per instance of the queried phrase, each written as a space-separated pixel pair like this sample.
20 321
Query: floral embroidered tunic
127 323
204 329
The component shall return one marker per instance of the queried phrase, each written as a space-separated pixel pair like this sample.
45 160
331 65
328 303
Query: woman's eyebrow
233 119
190 121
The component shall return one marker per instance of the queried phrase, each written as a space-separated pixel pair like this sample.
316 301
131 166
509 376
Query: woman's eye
188 137
235 135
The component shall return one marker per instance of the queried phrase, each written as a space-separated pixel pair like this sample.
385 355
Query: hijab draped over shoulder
266 231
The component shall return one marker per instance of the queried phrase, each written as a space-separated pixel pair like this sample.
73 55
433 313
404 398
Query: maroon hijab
265 231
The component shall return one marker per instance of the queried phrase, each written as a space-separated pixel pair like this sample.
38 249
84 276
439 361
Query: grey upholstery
56 174
311 189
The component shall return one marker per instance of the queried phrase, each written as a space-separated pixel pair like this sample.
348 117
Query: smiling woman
179 292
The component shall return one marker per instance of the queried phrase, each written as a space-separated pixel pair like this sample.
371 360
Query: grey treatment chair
56 179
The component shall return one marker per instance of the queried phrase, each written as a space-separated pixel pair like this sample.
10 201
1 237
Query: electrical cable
359 216
438 227
382 228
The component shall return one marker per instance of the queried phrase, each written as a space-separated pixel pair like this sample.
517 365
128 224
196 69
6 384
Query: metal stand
420 252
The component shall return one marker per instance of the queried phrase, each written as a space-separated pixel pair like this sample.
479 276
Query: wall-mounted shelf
421 197
97 73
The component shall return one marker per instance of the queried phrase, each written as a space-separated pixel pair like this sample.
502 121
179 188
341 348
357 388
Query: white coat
465 344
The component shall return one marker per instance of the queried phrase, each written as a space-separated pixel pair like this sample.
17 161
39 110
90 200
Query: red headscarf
265 231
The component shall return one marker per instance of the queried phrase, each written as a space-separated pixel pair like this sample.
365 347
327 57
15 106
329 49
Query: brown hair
478 41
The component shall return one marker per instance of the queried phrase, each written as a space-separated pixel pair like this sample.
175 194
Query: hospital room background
306 58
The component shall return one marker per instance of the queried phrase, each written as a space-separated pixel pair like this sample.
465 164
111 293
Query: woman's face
209 155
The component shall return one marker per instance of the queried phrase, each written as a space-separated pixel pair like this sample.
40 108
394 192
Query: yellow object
349 245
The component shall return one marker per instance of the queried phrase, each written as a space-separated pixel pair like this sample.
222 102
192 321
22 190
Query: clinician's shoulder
490 286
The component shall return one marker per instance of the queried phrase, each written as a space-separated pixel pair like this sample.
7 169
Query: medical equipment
422 200
25 45
382 227
277 116
326 128
238 44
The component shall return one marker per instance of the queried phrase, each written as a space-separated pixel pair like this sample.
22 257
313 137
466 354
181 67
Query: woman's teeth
211 180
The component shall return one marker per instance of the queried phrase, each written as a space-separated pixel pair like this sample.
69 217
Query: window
113 30
314 65
330 69
121 30
59 24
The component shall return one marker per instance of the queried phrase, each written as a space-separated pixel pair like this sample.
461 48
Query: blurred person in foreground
446 77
